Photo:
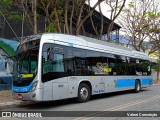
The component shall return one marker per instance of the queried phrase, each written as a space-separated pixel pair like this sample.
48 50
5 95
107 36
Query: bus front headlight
34 86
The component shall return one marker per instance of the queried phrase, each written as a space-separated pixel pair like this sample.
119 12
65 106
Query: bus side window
121 65
58 64
145 67
47 66
79 61
69 64
131 63
112 66
91 63
138 67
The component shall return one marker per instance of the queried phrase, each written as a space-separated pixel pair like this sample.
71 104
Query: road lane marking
117 108
133 103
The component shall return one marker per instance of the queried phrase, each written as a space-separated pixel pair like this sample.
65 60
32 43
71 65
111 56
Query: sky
105 8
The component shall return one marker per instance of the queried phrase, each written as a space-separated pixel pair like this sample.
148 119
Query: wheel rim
138 87
84 93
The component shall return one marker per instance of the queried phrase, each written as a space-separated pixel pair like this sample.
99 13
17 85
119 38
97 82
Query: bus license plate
20 97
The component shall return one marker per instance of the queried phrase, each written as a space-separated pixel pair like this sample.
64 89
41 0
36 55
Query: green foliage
158 14
157 66
151 14
60 14
15 16
131 5
6 2
5 8
51 28
7 48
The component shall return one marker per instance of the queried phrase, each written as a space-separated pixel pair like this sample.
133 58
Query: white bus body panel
56 89
73 82
110 84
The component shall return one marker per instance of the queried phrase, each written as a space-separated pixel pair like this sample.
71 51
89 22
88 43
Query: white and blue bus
58 66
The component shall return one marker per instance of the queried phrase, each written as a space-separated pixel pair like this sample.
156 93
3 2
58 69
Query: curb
9 104
13 103
156 84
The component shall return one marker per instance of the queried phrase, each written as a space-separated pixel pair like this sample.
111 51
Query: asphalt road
110 105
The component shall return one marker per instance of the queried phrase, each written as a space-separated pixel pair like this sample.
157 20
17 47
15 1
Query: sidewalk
6 99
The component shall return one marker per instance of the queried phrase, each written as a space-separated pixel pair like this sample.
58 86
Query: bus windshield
25 66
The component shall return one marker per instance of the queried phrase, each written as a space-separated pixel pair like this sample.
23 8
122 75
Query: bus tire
84 93
137 86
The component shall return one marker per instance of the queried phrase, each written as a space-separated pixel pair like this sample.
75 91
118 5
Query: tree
57 13
80 22
116 7
98 33
157 69
34 9
137 24
29 8
49 10
154 29
71 9
74 9
66 16
60 12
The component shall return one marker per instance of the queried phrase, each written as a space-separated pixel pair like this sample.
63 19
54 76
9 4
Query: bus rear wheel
137 86
84 93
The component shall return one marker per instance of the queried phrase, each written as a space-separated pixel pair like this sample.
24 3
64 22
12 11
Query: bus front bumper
36 95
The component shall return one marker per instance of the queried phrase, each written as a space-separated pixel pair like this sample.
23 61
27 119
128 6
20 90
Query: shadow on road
53 104
115 94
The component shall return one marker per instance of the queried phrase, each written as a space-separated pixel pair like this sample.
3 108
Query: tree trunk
114 15
158 71
66 16
35 16
71 17
93 26
54 3
109 31
83 30
80 15
158 76
46 10
101 31
57 20
89 14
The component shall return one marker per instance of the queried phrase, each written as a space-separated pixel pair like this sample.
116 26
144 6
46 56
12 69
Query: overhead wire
9 25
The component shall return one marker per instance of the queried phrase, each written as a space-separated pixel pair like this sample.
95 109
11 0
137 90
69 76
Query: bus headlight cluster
34 86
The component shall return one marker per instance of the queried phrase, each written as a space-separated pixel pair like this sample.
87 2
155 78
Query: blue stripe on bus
146 81
125 83
22 89
131 82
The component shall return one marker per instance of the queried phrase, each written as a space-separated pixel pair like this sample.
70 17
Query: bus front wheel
137 86
84 93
